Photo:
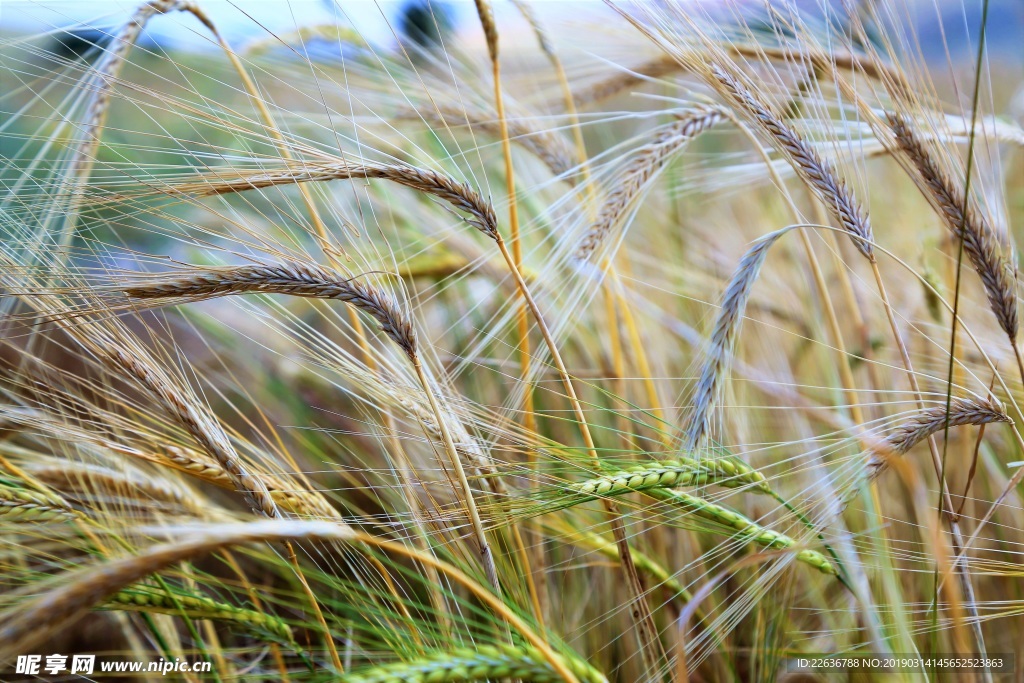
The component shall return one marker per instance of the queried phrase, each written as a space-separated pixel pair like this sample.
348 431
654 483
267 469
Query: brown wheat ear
962 411
981 243
295 279
648 160
457 194
826 184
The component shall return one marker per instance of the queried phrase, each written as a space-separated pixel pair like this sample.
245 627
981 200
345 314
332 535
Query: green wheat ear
747 528
152 600
479 664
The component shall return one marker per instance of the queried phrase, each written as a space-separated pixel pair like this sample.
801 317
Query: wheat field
669 341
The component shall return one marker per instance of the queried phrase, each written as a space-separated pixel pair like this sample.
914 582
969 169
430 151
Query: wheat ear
647 161
667 474
828 187
747 528
33 621
723 339
962 411
85 481
143 598
483 663
967 223
106 71
205 429
17 504
295 279
665 65
313 281
459 195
